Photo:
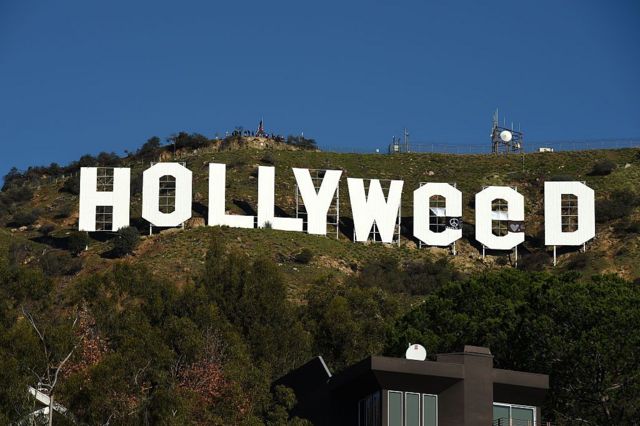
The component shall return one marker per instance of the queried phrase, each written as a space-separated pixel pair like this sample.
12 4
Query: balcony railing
515 422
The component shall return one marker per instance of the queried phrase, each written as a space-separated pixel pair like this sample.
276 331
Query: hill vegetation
192 326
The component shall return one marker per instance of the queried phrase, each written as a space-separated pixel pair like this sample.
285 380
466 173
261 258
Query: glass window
430 410
167 194
395 408
104 179
513 415
104 218
569 212
521 416
499 222
500 415
412 409
437 219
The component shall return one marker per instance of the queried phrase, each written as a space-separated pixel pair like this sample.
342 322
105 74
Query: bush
304 257
25 217
536 261
126 241
56 262
71 185
634 227
19 253
64 211
620 204
268 159
562 178
77 242
47 228
603 168
18 194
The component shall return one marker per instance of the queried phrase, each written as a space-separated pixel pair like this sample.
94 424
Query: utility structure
400 144
260 131
505 140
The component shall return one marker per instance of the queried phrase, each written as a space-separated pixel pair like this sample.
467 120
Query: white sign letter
266 203
373 208
422 211
317 203
484 216
553 234
117 200
151 194
217 189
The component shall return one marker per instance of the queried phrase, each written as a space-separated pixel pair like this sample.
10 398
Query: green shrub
126 241
57 262
634 227
64 211
25 217
47 228
71 185
77 242
267 158
620 204
603 168
304 257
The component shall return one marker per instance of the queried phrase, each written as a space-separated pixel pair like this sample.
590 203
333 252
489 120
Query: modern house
458 389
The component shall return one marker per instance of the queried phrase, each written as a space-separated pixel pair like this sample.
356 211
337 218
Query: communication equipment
505 139
416 352
506 136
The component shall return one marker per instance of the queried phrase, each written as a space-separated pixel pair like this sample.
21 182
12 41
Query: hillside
174 252
196 323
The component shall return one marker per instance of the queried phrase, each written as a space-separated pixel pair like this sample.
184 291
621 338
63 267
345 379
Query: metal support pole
453 248
338 212
555 258
150 229
483 252
516 256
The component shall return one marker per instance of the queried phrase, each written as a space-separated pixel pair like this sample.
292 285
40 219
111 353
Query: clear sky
84 76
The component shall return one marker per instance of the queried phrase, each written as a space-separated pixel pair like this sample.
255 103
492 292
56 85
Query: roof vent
416 352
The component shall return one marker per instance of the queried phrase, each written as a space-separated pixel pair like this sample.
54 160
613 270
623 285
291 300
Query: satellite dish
506 136
416 352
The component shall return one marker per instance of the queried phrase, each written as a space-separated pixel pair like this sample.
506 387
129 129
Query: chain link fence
448 148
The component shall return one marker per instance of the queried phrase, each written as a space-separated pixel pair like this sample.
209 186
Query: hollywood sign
368 208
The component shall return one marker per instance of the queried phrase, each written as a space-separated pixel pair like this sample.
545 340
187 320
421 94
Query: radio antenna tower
505 139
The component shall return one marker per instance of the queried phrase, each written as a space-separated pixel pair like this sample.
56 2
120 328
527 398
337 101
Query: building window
412 409
513 415
395 408
569 212
104 218
167 194
499 217
429 410
437 216
370 410
104 179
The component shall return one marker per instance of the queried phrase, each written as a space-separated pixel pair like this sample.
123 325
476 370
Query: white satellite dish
416 352
506 136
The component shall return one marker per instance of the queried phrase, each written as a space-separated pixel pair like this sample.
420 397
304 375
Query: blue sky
82 77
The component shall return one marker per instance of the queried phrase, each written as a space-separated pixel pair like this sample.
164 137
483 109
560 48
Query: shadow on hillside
245 207
201 210
61 243
346 227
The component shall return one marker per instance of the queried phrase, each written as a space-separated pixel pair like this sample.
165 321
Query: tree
149 148
582 332
57 348
126 241
347 322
